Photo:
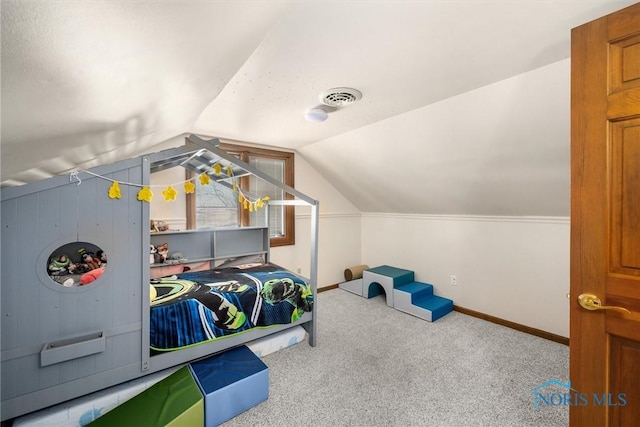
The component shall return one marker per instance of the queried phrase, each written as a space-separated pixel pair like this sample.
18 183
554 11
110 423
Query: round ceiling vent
340 96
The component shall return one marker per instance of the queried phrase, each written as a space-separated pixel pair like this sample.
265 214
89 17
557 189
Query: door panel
625 372
625 197
605 219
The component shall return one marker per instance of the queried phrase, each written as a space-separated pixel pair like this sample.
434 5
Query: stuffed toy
157 226
90 260
60 265
176 258
102 256
58 269
91 276
154 256
163 251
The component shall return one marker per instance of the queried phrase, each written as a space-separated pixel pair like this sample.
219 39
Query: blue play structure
205 393
402 292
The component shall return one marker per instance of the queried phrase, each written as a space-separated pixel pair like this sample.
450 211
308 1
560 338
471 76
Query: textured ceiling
88 83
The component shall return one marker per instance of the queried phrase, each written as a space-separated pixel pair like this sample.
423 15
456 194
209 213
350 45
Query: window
76 264
215 205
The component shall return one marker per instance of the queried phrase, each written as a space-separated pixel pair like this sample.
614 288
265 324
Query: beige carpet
376 366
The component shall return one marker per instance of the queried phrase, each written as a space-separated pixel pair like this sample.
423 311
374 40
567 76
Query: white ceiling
88 83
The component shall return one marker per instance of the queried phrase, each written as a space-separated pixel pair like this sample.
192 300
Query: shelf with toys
203 246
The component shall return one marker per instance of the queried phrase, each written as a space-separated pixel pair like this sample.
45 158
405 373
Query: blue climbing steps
417 299
402 292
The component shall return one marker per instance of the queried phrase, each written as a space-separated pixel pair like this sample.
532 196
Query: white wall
339 230
339 247
508 267
502 149
173 212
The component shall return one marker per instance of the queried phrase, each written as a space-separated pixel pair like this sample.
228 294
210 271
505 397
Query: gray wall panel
29 367
67 214
9 272
47 319
45 377
36 310
29 294
10 378
49 214
139 230
87 210
110 223
129 345
76 316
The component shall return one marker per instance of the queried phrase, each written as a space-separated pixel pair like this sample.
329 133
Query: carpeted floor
376 366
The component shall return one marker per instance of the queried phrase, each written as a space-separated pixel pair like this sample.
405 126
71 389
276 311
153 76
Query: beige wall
339 230
458 156
514 268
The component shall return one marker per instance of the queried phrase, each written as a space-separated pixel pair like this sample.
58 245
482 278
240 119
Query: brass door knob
592 302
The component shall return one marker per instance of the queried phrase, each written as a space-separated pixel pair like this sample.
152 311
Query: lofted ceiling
89 83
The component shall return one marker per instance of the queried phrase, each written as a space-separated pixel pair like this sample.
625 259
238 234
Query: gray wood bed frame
59 343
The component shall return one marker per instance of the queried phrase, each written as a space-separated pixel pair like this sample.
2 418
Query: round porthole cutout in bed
76 264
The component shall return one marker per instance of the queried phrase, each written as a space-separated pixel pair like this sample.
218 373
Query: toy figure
90 260
60 265
102 256
163 251
95 273
59 268
154 256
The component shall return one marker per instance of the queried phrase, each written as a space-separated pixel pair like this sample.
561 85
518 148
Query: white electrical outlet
454 280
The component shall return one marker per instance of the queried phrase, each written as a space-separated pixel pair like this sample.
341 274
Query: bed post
311 328
145 363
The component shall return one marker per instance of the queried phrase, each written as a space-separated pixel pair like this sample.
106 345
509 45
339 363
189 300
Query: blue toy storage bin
231 383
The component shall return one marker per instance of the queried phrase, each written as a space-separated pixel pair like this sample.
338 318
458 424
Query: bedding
198 307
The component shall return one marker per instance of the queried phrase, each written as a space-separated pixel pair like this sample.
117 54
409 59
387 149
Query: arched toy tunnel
374 290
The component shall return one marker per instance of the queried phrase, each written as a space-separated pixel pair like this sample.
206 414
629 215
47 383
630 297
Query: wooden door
605 220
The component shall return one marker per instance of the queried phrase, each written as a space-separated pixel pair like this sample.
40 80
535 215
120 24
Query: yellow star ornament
189 187
169 194
145 194
204 179
114 191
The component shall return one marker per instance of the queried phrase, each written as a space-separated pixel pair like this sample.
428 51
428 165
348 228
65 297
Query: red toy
91 276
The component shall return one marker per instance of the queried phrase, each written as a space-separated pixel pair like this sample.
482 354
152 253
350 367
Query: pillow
235 262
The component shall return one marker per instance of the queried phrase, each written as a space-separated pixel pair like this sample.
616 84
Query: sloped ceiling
464 108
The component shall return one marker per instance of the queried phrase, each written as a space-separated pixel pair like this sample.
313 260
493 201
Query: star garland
169 193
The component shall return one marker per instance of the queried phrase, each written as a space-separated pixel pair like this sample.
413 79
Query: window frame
245 153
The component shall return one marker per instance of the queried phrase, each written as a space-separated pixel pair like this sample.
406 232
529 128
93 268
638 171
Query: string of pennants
169 193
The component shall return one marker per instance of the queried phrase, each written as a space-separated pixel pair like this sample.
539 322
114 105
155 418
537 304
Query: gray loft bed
59 343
